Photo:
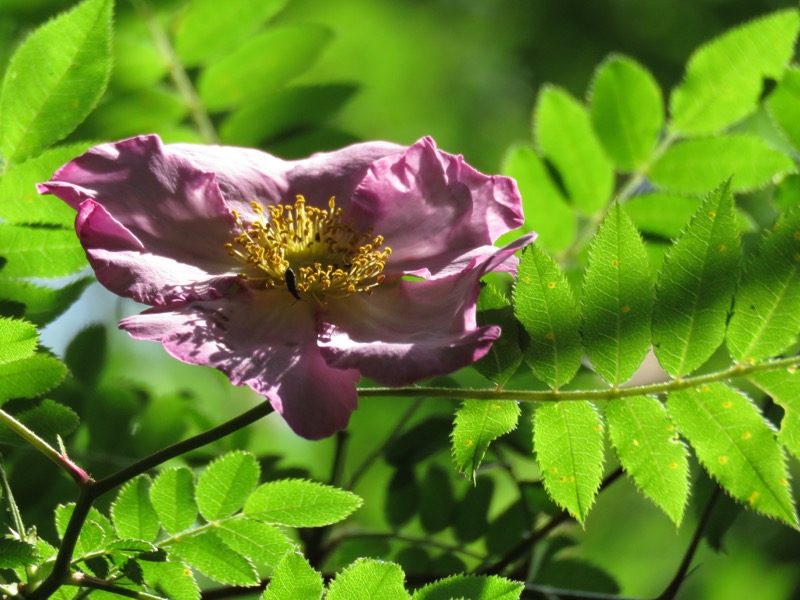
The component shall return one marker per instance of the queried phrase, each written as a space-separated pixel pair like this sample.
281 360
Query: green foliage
477 424
500 364
369 579
294 578
784 389
298 503
477 587
224 487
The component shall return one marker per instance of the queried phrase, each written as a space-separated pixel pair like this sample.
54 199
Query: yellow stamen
325 257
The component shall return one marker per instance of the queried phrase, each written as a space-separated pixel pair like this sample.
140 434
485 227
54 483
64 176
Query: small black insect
288 276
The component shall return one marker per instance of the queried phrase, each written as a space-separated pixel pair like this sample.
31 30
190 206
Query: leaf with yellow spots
736 446
617 299
568 441
650 451
477 424
784 388
546 308
766 316
695 286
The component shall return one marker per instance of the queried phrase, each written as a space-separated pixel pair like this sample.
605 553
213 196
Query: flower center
309 251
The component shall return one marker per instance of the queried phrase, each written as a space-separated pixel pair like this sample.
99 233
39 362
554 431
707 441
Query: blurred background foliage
467 73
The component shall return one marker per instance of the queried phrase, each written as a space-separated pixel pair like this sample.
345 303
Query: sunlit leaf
71 59
736 446
568 441
547 310
369 579
172 580
30 377
766 316
627 111
783 105
724 78
505 356
225 485
477 424
650 452
214 559
784 389
565 136
40 252
91 537
18 339
617 299
172 496
695 287
260 542
16 553
300 503
294 578
133 513
474 587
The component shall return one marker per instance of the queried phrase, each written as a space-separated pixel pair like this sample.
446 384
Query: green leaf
783 105
42 304
662 213
650 451
209 555
170 579
284 111
617 299
436 502
300 503
21 204
225 485
172 496
86 354
474 587
48 419
294 578
695 287
133 514
210 29
30 377
565 136
18 339
724 78
766 316
505 356
92 537
16 553
547 310
627 111
736 446
544 204
123 116
568 441
283 54
369 579
696 166
260 542
40 252
71 59
784 389
477 424
401 501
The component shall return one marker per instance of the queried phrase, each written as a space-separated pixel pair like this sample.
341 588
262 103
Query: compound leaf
477 424
133 513
294 578
172 496
784 389
300 503
224 486
369 579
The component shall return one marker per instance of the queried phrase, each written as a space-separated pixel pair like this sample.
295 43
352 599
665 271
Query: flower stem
738 370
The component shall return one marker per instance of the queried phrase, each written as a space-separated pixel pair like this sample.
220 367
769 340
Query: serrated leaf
210 29
474 587
300 503
133 513
225 485
172 496
92 537
695 287
650 452
477 424
369 579
736 446
662 213
71 59
283 54
784 389
16 553
18 339
723 79
21 204
696 166
543 202
214 559
783 105
568 441
172 580
565 136
48 420
627 111
30 377
41 305
766 316
617 299
40 252
260 542
545 307
436 502
505 356
294 578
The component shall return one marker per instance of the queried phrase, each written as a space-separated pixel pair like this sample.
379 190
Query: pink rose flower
291 277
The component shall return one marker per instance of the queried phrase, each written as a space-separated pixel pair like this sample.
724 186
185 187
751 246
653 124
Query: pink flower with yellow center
296 278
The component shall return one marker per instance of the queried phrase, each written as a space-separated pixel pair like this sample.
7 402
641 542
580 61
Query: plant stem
739 370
